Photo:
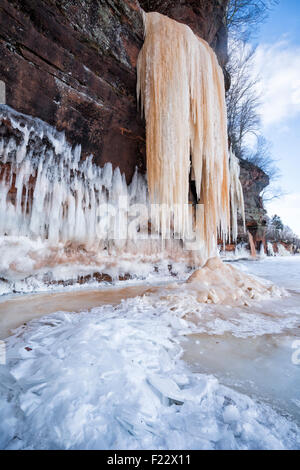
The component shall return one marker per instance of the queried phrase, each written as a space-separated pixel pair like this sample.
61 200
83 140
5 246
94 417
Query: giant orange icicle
181 87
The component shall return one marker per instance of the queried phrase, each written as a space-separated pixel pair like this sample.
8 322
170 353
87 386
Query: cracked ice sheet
113 378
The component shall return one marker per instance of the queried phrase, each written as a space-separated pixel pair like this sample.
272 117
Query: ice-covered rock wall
48 192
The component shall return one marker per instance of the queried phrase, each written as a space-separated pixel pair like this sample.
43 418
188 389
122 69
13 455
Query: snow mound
218 282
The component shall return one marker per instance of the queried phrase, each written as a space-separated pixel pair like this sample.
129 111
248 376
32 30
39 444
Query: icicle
50 193
236 195
181 88
252 245
270 249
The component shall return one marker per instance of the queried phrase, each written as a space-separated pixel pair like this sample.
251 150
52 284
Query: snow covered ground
114 377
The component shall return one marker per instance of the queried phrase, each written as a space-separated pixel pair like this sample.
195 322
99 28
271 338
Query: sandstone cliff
254 180
73 65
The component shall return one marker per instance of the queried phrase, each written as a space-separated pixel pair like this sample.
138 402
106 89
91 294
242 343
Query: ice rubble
221 283
218 282
112 378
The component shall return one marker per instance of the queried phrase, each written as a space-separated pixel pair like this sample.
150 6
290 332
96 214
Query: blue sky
278 64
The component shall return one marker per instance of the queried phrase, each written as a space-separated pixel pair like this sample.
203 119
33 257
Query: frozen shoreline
17 311
121 376
251 366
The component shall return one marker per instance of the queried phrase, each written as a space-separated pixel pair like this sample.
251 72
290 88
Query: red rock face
254 180
72 64
205 18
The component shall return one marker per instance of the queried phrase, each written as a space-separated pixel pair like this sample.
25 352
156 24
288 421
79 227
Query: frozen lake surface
140 374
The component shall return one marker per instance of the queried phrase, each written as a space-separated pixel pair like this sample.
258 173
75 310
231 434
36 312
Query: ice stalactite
270 248
252 245
236 195
181 87
48 192
282 251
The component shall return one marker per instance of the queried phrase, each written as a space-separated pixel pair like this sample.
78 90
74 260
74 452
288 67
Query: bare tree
242 98
243 19
244 16
261 156
243 117
272 192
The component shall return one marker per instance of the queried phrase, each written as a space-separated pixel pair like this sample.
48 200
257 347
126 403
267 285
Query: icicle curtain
181 88
236 196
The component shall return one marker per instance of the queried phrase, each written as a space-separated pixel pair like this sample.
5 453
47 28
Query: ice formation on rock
270 249
181 87
236 195
281 250
252 245
63 217
48 192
